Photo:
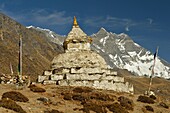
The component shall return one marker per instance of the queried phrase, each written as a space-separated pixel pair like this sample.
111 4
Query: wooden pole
20 58
2 28
12 72
152 71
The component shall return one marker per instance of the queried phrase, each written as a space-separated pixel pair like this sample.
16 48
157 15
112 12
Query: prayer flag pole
152 71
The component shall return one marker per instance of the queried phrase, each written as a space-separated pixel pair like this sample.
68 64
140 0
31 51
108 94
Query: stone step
56 77
99 84
86 70
83 76
47 82
41 78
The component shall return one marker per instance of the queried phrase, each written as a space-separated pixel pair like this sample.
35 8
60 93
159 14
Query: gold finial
75 22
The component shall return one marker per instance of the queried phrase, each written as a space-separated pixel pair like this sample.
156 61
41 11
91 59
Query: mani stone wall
84 68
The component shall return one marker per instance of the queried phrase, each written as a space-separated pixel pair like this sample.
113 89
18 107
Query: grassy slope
38 50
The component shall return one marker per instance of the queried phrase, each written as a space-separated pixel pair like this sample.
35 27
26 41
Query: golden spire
75 22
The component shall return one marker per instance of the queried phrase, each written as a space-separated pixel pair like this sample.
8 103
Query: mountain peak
29 27
102 30
120 51
122 35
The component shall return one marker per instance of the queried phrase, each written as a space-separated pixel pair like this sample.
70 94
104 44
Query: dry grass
159 86
64 99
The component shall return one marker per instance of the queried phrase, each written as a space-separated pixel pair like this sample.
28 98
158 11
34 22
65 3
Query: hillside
60 99
38 50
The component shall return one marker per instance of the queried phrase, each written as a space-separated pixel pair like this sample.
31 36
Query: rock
48 72
49 82
41 78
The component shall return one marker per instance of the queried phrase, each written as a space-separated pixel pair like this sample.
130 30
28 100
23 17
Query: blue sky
145 21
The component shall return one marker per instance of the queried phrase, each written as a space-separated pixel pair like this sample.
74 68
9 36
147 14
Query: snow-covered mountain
58 39
120 51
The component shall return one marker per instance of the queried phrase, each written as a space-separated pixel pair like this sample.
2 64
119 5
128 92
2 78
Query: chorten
79 66
76 39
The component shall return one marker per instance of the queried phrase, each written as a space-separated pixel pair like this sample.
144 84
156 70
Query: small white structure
79 66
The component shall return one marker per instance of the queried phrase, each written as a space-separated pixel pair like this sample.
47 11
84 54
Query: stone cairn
79 66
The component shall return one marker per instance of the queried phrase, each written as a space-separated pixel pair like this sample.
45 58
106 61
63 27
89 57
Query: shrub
87 107
125 102
52 111
102 96
116 108
67 96
55 111
10 104
16 96
37 89
78 97
152 97
149 108
31 85
145 99
82 90
162 104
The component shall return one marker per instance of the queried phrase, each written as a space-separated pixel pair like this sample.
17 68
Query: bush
82 90
149 108
101 96
162 104
125 102
16 96
36 89
55 111
152 97
52 111
67 96
31 85
116 108
78 97
10 104
145 99
88 106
